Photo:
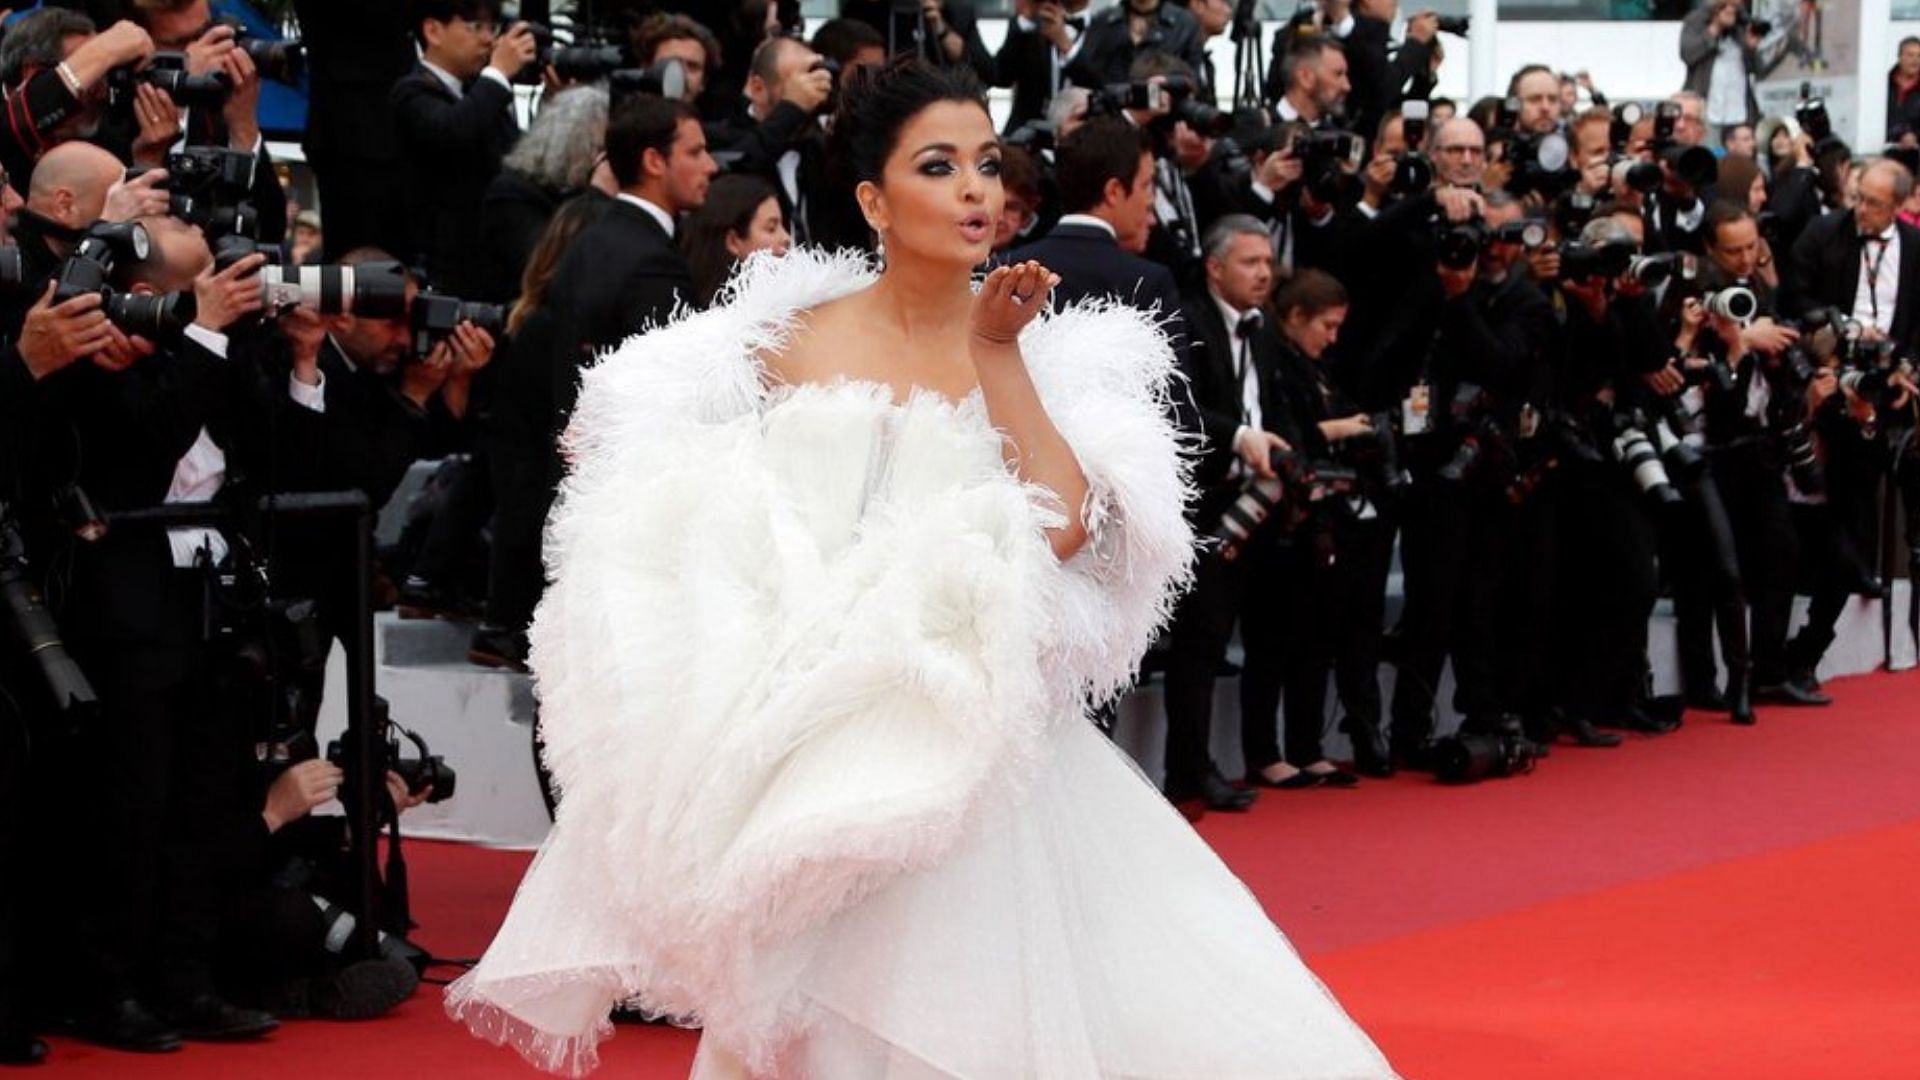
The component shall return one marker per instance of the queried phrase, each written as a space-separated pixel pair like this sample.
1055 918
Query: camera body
1811 112
167 71
435 315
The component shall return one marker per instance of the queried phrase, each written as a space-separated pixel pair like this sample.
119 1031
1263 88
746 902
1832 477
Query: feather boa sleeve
1104 371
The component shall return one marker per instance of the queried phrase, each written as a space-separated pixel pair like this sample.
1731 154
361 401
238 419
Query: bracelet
67 76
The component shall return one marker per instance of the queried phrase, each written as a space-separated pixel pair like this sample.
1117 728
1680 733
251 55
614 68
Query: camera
209 186
31 631
428 770
231 249
1811 112
1172 95
666 77
1572 210
1469 409
167 71
1412 172
1641 176
1468 758
1297 485
1457 245
1633 448
1694 166
1456 25
1584 262
1620 129
283 61
1654 270
1666 116
435 315
583 62
1330 164
370 290
110 246
1033 136
1736 303
1541 163
1528 233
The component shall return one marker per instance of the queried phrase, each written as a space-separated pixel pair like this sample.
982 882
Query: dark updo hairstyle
1309 292
876 102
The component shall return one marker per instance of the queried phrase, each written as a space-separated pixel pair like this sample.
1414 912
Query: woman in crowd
742 215
551 163
1339 560
838 570
520 432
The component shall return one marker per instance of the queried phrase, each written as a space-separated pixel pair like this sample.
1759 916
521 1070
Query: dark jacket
1209 405
1025 63
618 278
1699 50
452 147
513 214
1091 263
1826 266
1107 52
960 17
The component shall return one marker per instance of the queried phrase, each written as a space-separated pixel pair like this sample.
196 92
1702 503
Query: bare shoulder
817 347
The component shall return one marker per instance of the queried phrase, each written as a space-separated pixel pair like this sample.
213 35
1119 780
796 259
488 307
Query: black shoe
20 1048
1299 781
127 1025
1790 692
498 647
360 991
1634 718
1371 755
420 598
1582 732
1215 793
1336 778
211 1018
1740 704
1707 701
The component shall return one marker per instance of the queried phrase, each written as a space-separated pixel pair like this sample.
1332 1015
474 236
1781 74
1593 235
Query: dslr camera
1169 95
435 315
108 247
168 72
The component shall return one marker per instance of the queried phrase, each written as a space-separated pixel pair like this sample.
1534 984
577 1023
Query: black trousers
1607 583
1755 494
522 496
454 532
1702 564
15 755
1332 625
1832 567
1479 573
1197 641
140 804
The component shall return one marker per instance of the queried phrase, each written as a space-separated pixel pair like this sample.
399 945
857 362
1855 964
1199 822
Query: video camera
110 246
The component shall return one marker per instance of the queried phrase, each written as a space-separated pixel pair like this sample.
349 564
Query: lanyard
1872 267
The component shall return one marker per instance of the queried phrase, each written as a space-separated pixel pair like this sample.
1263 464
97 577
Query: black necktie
1243 357
1247 325
1078 22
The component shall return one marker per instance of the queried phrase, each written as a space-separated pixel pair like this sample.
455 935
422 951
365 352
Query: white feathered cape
794 637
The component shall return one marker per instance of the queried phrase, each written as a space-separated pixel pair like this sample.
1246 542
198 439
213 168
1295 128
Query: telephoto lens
372 290
158 316
1736 303
1633 449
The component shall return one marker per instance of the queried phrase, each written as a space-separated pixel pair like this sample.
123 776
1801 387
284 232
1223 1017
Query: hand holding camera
56 335
242 110
159 120
1424 26
225 297
145 195
301 789
305 330
122 351
514 50
208 53
809 89
1256 448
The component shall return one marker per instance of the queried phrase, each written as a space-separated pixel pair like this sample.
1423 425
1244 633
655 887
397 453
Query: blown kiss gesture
1008 300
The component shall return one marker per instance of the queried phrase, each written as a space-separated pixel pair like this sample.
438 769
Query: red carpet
1720 903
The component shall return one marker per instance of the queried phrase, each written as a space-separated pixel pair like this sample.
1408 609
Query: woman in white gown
837 570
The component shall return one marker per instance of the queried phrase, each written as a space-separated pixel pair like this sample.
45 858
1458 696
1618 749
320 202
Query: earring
880 250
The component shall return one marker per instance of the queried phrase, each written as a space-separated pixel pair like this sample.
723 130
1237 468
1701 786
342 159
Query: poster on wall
1811 49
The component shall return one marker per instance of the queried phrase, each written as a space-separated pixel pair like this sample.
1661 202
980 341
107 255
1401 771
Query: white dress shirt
1878 289
1090 221
1244 366
200 475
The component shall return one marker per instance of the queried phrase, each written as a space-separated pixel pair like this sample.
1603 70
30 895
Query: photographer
1608 575
1537 90
187 27
554 161
1118 37
154 422
73 186
943 32
1477 548
356 51
53 71
453 114
1309 214
1719 43
1042 40
1314 81
661 36
1333 576
788 89
1235 405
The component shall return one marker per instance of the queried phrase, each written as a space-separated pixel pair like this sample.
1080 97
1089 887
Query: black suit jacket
1210 404
1826 267
1090 262
1025 63
959 15
513 214
452 148
1107 52
617 278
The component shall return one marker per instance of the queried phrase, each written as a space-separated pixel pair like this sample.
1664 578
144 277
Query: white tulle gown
813 687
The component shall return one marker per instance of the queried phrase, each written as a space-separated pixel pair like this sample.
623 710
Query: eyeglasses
1463 151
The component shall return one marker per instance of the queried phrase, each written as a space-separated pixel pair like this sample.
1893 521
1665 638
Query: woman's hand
1347 427
1008 300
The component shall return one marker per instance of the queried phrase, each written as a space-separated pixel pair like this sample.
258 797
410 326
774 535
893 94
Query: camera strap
1873 266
